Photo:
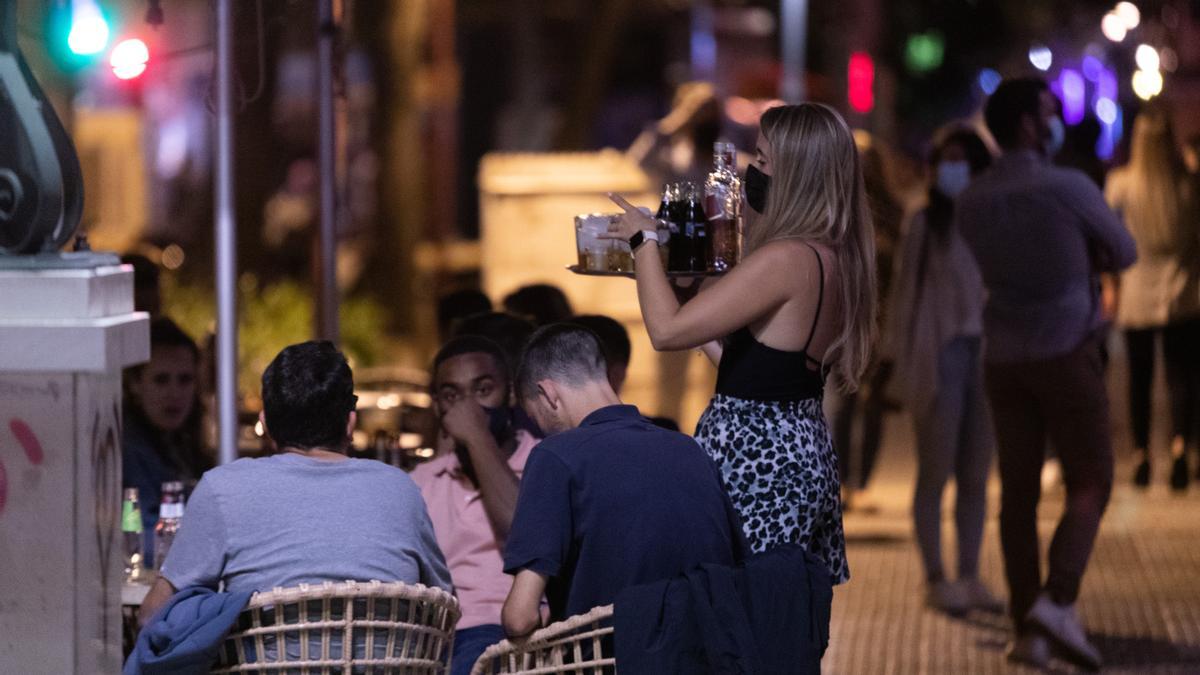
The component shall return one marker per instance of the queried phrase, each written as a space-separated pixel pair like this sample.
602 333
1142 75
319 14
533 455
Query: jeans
470 643
1063 399
954 438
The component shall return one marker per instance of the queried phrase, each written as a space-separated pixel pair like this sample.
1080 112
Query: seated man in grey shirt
308 514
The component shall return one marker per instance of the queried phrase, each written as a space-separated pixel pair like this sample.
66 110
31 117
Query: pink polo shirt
465 535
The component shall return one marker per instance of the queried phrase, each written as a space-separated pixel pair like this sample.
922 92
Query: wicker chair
581 644
343 628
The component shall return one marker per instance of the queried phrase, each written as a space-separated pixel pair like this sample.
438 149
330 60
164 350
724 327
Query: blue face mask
1058 135
953 178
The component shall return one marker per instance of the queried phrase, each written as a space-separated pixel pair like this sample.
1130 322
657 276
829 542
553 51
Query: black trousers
1181 358
1062 399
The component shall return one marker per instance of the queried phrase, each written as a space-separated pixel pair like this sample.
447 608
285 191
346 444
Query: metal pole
226 236
327 293
793 35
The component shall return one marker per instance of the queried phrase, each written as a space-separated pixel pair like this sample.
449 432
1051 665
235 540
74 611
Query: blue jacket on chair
186 634
769 615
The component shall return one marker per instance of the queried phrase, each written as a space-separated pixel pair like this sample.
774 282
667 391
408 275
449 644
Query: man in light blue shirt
1042 235
308 514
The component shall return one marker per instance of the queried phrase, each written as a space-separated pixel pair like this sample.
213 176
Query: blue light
1092 68
1073 95
1106 111
989 80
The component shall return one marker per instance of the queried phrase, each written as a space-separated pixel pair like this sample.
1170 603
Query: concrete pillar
65 336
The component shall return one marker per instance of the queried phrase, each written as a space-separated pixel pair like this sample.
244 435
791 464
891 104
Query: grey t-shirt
283 520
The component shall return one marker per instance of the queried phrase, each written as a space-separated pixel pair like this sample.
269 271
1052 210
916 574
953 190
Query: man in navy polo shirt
608 500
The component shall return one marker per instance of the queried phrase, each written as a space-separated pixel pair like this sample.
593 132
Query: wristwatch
640 237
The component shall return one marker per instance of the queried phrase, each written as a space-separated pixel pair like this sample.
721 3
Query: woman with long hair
798 307
934 334
1159 297
162 440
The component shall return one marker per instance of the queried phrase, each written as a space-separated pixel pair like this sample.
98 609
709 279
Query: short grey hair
562 352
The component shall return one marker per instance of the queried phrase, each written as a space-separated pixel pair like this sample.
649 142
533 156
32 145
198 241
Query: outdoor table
132 594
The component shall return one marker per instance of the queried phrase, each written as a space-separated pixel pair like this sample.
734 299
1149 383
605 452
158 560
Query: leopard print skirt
778 464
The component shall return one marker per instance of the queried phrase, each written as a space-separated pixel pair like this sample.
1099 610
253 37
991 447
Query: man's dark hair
458 305
543 304
473 344
563 352
614 339
1012 100
506 330
308 393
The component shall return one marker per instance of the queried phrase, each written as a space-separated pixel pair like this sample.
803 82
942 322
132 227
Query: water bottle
170 514
131 533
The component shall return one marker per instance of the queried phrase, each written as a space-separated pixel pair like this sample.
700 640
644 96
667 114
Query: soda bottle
170 514
723 207
697 231
679 248
131 533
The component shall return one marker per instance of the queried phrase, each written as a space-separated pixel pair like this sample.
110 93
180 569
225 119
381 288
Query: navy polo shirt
614 503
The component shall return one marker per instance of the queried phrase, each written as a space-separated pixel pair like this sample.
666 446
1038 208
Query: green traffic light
89 30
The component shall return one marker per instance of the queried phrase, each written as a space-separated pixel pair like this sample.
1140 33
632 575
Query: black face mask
499 422
757 183
499 425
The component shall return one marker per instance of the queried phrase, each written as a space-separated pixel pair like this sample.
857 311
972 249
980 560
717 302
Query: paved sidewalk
1140 599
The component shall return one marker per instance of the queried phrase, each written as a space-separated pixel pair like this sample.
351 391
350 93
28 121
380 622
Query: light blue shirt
279 521
1041 234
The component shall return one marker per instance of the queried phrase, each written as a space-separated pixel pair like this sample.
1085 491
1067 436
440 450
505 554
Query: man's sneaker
948 597
1059 623
1031 649
979 597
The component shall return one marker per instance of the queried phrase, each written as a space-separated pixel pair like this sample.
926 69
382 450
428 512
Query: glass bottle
723 207
170 514
679 248
131 534
697 231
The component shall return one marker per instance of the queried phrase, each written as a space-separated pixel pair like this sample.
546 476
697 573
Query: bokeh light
1041 57
129 58
1146 57
1113 27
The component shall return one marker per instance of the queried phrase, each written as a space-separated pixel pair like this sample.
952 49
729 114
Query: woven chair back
581 645
343 628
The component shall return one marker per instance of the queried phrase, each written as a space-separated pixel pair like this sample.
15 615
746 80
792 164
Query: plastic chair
343 628
580 644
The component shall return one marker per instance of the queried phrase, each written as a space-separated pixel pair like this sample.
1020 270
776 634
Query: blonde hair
1151 190
817 194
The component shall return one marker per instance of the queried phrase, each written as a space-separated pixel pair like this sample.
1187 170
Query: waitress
798 307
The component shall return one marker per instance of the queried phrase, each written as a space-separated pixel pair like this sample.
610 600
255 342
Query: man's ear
351 423
548 392
262 419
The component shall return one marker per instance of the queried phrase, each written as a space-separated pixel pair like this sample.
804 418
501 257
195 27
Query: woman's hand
633 220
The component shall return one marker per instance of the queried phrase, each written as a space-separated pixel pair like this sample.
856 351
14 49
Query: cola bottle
696 231
723 207
679 251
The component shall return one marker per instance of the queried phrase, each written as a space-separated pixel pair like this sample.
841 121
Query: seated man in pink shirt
470 489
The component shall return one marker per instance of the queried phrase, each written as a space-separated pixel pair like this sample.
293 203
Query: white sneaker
1030 648
979 597
948 597
1060 624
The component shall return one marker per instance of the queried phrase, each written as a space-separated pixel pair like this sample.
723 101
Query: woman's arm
751 290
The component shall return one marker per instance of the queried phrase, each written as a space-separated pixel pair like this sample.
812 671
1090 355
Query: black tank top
753 371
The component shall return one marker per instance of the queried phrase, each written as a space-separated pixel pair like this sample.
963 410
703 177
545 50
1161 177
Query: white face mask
953 178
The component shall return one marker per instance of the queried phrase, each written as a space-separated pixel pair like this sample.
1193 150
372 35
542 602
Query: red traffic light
129 58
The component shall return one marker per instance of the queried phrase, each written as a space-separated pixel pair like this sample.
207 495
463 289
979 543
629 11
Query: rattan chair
581 644
343 628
